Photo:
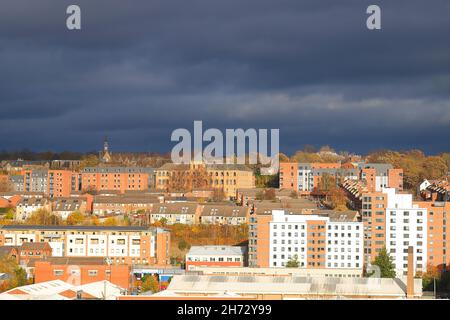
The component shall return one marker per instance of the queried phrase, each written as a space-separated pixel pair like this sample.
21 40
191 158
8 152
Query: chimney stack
410 274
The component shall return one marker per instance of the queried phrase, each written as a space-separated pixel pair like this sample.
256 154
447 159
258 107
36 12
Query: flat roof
217 250
296 285
84 228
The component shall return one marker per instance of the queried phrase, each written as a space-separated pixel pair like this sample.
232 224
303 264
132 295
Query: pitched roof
75 260
118 170
35 246
76 228
68 203
174 208
6 250
126 199
32 202
213 210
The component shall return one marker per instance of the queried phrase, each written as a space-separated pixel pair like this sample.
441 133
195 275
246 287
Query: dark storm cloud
139 69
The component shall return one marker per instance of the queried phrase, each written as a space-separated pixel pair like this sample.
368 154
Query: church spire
105 145
105 156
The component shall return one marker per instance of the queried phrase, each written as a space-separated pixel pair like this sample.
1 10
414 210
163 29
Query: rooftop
80 228
217 250
294 285
118 170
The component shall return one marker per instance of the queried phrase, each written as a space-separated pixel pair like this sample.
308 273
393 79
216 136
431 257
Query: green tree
293 262
149 283
385 263
10 214
183 245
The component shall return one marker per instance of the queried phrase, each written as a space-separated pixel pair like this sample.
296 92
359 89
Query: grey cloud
140 69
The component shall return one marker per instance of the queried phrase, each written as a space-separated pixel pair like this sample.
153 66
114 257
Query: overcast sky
140 69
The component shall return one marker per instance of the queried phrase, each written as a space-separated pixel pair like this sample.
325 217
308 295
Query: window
92 273
58 272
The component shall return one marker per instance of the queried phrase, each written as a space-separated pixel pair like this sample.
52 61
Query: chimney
410 274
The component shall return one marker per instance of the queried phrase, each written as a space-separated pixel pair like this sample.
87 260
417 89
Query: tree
269 194
43 217
428 278
385 263
75 218
185 180
10 214
326 183
294 194
282 157
18 276
218 195
90 160
110 222
338 199
95 221
259 195
293 262
126 221
149 283
183 245
6 187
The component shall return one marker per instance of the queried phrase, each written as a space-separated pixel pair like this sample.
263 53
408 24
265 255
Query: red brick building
80 271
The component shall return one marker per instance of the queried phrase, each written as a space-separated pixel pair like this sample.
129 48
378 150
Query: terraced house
185 213
107 205
27 206
224 214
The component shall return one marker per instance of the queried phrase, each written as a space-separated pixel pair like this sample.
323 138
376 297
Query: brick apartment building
393 221
305 177
53 183
333 240
226 177
124 245
32 251
438 246
80 271
120 179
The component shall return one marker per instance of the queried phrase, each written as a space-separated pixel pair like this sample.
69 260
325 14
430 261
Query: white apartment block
406 225
345 244
288 234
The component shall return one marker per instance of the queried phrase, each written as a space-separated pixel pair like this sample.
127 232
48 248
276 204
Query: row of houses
152 207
